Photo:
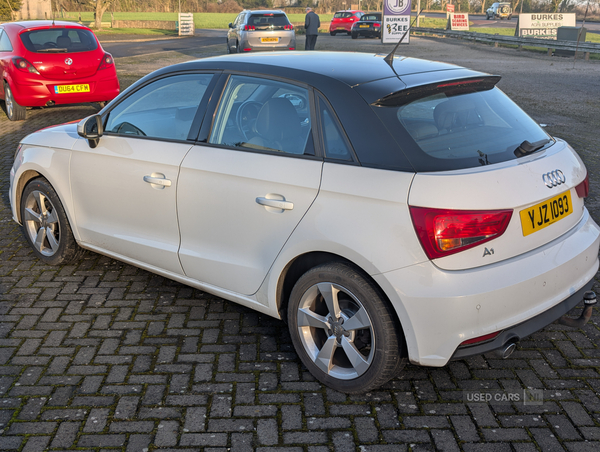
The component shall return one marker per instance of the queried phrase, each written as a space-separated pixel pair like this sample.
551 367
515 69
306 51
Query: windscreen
268 20
455 131
59 40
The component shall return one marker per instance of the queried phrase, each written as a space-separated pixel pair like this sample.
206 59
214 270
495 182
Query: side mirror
230 25
91 128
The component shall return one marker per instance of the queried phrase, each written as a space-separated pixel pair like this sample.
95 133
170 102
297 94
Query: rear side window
462 131
267 20
342 15
5 45
59 40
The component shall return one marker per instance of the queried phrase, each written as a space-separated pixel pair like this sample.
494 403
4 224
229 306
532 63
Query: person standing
311 25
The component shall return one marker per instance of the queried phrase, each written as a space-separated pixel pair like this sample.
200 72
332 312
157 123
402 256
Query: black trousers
311 40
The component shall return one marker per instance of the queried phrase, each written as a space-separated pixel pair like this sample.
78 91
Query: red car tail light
583 188
107 61
484 338
288 27
376 24
443 232
24 66
249 28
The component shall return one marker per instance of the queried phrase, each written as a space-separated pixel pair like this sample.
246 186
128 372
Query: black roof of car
350 68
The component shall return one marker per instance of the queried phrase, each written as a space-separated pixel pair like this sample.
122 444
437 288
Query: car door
242 193
124 190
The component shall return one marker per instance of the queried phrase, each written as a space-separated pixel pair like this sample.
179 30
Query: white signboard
396 21
459 21
394 27
544 25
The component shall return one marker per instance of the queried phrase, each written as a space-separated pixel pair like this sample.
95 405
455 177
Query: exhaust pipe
507 349
50 103
589 300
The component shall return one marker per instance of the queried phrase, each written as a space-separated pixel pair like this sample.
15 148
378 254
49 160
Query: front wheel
14 111
344 330
46 225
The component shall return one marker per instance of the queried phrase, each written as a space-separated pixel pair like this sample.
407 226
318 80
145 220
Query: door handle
276 203
157 181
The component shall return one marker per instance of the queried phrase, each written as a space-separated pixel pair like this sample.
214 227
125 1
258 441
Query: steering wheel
129 129
50 44
246 117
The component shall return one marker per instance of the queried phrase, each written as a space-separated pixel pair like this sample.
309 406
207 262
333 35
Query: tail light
443 232
377 24
479 339
583 188
107 61
24 66
288 27
249 28
246 50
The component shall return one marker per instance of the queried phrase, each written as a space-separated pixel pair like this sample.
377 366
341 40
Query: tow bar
589 300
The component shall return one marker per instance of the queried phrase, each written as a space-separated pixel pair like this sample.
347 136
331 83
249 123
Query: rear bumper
37 93
527 328
440 309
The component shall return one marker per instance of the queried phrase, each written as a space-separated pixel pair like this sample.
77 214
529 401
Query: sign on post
396 21
458 21
543 25
450 8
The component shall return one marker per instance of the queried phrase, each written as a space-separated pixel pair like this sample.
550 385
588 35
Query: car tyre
14 111
354 35
46 226
349 33
332 33
358 357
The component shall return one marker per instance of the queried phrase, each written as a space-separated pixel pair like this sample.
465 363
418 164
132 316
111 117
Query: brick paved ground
104 356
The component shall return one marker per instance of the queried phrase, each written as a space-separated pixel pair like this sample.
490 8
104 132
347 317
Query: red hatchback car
342 21
45 63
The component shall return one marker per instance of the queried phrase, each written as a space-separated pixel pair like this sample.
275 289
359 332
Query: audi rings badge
554 178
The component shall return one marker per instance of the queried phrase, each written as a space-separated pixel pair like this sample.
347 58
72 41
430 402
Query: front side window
263 115
59 40
162 109
5 45
465 130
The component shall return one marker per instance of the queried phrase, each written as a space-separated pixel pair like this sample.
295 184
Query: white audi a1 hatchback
387 210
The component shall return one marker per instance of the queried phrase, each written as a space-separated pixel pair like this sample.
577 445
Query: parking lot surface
101 355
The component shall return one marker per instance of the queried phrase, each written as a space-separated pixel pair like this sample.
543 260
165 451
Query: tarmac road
143 46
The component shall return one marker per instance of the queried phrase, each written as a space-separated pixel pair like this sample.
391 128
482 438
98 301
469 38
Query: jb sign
396 21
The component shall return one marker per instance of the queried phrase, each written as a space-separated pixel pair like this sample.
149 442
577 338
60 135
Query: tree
8 8
99 7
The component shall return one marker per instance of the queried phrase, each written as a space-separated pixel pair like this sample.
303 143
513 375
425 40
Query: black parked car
368 26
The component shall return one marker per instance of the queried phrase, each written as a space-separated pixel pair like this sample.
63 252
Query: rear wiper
526 148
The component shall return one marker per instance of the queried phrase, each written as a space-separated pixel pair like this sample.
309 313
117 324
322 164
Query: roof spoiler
450 87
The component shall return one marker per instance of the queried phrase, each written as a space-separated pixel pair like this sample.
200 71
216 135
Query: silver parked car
261 30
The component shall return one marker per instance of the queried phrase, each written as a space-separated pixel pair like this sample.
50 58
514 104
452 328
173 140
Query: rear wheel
332 33
46 226
14 111
344 330
354 35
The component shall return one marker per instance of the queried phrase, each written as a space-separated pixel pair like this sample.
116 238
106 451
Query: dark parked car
369 26
395 212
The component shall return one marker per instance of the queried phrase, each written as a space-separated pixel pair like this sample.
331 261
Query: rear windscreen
266 20
370 17
59 40
465 130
